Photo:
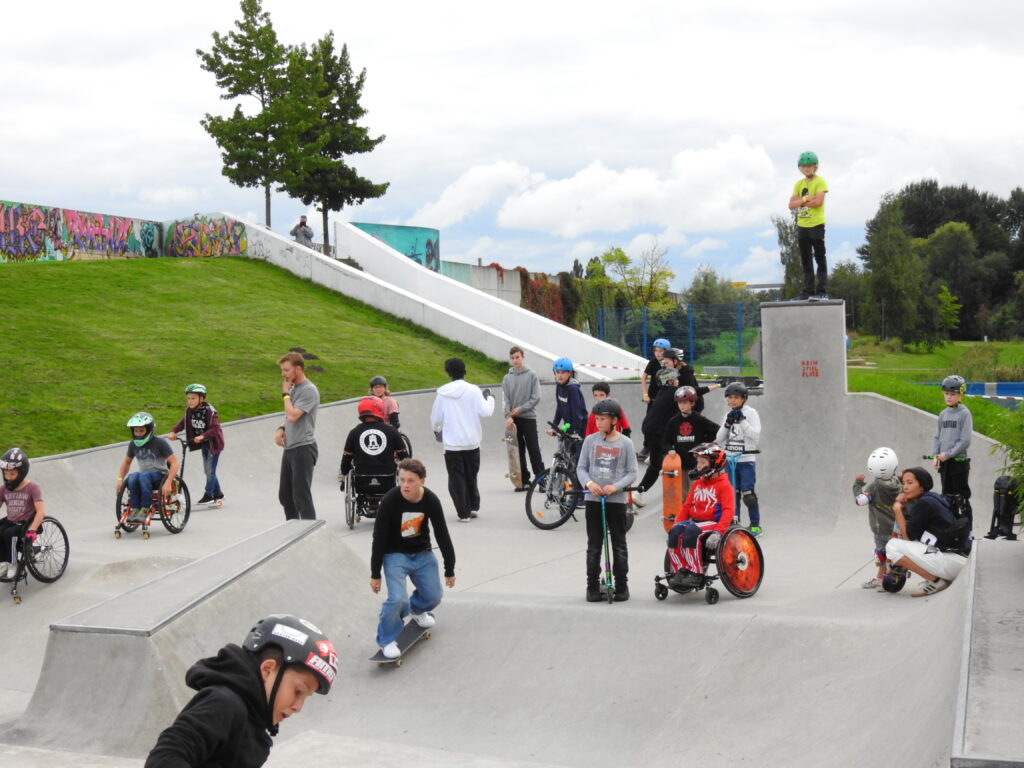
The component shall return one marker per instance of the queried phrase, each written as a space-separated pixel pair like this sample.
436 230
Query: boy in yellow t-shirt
808 201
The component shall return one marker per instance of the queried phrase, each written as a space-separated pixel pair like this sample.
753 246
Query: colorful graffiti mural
31 232
205 237
421 244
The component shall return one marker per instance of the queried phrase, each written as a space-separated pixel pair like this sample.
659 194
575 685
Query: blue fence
718 335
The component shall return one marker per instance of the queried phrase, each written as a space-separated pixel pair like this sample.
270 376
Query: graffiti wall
205 236
420 244
31 232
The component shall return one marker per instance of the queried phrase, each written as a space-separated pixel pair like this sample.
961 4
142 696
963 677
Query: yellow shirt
810 217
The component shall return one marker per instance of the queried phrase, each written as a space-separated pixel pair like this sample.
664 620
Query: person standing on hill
302 233
301 401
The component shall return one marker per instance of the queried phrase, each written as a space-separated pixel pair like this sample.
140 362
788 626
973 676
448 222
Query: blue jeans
210 468
746 477
422 569
140 488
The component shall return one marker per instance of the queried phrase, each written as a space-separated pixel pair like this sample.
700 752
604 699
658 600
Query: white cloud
169 195
473 190
705 245
760 266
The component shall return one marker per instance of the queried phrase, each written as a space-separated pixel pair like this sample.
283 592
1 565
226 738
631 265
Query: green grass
86 344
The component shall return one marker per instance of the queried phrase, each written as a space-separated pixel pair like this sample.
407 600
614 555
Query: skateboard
511 440
406 640
671 489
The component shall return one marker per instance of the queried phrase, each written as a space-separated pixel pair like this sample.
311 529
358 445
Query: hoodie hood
238 670
455 389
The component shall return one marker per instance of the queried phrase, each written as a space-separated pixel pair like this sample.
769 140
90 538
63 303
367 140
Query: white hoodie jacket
456 414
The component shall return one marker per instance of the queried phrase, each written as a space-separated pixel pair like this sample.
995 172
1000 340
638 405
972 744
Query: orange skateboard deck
511 440
671 489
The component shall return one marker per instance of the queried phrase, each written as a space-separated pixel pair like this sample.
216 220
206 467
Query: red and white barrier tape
613 367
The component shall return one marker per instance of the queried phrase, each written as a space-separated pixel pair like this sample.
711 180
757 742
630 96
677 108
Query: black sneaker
521 489
218 496
622 595
594 595
207 498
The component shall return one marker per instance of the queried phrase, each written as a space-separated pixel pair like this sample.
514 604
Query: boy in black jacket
244 693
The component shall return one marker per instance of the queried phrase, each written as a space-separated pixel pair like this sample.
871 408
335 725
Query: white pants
945 565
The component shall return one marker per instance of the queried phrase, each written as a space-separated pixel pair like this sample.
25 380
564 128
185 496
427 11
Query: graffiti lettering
205 237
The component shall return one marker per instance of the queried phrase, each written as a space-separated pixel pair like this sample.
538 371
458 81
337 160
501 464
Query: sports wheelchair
363 492
173 511
45 558
738 563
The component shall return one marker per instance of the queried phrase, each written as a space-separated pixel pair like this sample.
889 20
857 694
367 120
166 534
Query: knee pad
750 499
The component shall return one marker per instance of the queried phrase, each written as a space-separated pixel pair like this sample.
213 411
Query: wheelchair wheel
48 555
549 508
174 512
740 562
711 596
350 501
407 443
123 506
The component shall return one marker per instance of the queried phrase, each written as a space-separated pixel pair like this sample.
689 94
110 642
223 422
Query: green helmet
142 419
807 158
195 389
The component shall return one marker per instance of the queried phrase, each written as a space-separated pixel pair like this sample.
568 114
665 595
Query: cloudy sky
533 133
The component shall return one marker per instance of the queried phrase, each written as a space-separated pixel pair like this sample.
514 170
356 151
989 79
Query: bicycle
553 496
173 511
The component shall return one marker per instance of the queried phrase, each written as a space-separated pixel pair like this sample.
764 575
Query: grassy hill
87 344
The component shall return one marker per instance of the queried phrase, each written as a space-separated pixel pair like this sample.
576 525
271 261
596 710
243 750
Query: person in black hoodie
372 447
244 693
932 542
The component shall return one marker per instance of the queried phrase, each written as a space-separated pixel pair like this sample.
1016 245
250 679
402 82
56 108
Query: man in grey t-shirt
301 400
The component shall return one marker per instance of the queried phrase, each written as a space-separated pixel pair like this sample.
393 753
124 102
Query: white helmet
882 463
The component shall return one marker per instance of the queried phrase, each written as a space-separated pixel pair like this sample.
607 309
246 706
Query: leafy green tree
895 273
249 63
789 255
849 283
316 170
644 282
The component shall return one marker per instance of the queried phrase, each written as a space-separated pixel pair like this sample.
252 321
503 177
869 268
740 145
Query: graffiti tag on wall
38 233
206 237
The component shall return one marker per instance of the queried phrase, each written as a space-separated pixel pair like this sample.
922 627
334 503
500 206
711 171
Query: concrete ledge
113 674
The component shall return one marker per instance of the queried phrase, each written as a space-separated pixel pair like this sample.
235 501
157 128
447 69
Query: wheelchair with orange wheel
45 557
737 560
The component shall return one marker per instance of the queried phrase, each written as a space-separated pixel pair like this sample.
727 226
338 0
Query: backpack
1004 507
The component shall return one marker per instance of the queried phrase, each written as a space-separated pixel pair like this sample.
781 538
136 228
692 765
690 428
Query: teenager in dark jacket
244 693
202 433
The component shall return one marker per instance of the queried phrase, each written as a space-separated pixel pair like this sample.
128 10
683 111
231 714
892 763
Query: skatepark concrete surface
520 670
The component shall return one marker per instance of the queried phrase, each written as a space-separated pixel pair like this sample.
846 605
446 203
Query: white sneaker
391 650
638 500
423 619
12 570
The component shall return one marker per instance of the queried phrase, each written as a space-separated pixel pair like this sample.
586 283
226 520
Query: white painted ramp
812 671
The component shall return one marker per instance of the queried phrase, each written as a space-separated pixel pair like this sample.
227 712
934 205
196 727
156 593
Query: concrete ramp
113 675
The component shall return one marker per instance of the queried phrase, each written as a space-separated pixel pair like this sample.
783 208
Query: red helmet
372 406
686 395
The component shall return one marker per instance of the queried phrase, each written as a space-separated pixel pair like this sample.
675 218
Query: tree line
295 119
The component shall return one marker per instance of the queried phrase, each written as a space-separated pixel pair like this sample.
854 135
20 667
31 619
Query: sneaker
137 515
622 594
638 499
684 579
473 514
755 530
423 619
802 297
926 587
463 519
874 583
643 456
218 496
391 650
521 489
822 297
207 498
12 570
594 595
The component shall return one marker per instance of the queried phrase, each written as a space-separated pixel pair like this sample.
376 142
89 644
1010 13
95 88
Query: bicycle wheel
174 512
122 508
48 555
551 507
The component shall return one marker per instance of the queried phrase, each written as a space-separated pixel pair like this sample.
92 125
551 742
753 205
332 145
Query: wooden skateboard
408 637
511 440
671 489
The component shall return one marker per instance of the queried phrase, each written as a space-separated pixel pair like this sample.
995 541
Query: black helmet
715 456
15 458
301 642
378 380
954 383
673 353
736 388
607 407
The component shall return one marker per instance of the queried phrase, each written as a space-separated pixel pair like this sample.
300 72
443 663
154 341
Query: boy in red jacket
709 506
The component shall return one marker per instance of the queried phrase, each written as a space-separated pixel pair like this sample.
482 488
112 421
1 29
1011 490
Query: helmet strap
271 728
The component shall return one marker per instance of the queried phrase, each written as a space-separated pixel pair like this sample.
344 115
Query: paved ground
521 671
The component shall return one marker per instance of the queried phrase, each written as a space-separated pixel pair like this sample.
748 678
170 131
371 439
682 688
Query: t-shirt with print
152 456
403 526
607 462
21 504
810 217
306 397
